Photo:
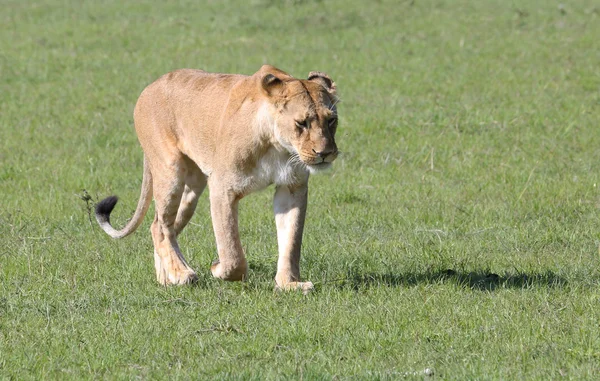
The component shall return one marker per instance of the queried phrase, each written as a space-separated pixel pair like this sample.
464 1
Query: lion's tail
105 207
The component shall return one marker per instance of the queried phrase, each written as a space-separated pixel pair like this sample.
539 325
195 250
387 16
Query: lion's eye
302 124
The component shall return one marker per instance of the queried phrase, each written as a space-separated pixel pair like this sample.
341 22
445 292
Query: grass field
459 231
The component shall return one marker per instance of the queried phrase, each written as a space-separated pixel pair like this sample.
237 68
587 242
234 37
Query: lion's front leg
232 263
290 210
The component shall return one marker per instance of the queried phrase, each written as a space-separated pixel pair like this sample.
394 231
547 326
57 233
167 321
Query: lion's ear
271 84
323 80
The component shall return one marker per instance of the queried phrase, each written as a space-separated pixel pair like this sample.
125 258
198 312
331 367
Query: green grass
459 231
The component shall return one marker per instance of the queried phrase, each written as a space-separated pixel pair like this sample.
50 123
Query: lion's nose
326 152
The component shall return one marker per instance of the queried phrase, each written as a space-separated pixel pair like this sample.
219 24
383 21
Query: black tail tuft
104 207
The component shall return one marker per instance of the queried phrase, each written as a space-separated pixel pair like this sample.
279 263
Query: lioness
238 134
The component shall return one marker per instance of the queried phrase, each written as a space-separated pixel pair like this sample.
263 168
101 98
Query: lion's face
307 120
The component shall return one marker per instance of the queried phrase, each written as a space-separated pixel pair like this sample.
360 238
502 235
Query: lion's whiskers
294 160
337 100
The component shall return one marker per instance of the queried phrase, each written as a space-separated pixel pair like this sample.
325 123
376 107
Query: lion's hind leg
169 185
195 183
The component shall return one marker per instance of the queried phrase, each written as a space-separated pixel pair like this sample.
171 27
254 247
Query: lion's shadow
482 280
476 280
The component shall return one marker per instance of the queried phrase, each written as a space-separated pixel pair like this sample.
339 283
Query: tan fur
238 134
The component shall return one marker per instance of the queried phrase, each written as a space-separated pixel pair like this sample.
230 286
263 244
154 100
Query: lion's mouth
318 160
317 163
314 161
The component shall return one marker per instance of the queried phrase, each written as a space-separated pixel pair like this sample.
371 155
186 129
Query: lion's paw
183 277
305 287
234 272
180 275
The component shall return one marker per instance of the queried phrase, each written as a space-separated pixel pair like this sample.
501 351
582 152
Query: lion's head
305 115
